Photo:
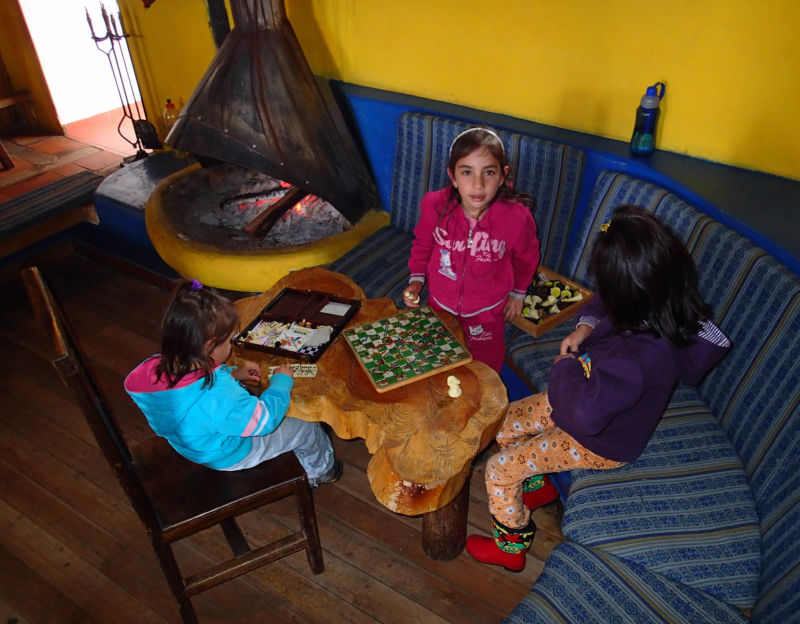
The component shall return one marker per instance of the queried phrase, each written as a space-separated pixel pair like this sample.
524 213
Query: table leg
444 531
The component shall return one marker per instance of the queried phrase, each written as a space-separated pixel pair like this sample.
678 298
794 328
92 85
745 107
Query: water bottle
170 115
643 141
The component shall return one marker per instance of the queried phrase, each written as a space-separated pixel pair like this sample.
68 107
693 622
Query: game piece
411 296
404 348
454 387
299 324
299 370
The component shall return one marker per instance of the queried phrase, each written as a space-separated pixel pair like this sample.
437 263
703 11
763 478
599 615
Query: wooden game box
309 307
549 321
404 348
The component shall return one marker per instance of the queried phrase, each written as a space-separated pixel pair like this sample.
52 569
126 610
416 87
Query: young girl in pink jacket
475 245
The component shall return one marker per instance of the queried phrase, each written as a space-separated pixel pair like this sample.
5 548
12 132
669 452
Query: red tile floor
92 144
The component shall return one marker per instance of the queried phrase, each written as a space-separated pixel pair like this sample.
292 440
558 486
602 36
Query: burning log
261 224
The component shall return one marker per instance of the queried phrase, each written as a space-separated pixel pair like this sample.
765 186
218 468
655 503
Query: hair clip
492 132
604 227
196 285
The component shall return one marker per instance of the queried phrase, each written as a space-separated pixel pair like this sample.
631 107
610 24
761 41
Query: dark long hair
196 315
478 137
647 278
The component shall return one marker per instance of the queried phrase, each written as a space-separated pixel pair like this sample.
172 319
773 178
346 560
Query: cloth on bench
47 202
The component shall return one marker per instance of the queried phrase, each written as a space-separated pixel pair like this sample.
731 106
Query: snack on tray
548 296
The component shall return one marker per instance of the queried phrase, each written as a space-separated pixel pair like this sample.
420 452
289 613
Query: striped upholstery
683 509
754 397
551 172
47 202
534 356
582 585
379 264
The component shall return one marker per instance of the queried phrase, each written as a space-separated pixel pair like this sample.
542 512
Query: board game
299 324
404 348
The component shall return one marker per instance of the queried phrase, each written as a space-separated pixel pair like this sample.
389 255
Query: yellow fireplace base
246 270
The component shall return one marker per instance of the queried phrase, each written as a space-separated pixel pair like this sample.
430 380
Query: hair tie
196 285
492 132
604 227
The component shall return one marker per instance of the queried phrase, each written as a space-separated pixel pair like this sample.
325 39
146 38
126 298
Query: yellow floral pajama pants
531 444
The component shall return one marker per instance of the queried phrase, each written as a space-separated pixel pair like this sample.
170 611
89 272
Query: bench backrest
755 391
550 172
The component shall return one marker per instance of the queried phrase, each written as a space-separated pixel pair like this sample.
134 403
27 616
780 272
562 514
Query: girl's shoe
332 476
537 491
508 547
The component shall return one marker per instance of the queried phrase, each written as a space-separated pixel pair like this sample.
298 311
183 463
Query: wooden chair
173 497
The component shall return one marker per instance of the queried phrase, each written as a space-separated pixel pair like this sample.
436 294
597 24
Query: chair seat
188 496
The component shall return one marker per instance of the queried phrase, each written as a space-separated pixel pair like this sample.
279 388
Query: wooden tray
292 306
404 348
549 321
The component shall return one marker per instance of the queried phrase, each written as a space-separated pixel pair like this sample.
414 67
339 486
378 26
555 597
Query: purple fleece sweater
631 377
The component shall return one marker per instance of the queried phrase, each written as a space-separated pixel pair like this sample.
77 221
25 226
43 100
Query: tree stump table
422 441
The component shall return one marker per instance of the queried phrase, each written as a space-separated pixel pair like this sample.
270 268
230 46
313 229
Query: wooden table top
421 440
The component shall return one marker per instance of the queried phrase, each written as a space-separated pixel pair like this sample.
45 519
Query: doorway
88 96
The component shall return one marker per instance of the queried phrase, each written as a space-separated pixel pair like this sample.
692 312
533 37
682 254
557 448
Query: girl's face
477 177
222 351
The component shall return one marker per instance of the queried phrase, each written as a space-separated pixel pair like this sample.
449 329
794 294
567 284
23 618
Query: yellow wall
730 66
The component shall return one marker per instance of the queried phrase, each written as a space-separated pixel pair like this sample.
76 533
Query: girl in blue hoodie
194 400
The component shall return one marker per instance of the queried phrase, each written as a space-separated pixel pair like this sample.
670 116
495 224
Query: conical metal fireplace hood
259 106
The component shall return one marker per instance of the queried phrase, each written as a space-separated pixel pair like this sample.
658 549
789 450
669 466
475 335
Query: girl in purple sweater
475 245
646 329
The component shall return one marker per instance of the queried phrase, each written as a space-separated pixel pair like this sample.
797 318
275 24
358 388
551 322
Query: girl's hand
284 369
247 371
563 356
571 343
411 294
512 309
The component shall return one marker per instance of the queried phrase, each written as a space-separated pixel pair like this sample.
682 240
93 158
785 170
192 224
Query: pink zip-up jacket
473 268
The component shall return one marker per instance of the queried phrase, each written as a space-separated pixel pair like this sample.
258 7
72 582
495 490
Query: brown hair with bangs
197 321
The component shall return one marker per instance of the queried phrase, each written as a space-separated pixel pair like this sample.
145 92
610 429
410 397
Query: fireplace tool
144 131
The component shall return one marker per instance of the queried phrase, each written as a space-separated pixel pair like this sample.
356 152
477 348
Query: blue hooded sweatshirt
212 426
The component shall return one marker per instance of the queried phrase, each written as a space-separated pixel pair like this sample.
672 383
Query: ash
247 195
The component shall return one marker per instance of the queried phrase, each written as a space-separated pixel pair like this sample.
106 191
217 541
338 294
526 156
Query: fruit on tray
548 296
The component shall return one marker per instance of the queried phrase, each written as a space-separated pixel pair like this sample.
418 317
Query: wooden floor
72 549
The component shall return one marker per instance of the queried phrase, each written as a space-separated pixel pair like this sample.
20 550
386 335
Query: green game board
405 348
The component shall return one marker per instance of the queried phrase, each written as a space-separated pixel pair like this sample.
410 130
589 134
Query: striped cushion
754 392
550 172
48 201
580 584
379 264
534 356
683 509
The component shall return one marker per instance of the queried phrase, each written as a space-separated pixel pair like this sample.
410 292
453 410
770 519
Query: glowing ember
216 205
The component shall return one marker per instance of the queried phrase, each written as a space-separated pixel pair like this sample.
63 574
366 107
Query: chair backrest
71 367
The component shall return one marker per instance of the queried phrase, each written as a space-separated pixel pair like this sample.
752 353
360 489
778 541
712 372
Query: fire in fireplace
215 205
260 114
259 106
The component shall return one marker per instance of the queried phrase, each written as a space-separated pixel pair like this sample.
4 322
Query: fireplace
271 143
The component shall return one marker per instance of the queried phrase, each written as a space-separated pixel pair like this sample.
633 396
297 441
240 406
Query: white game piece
455 386
411 296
